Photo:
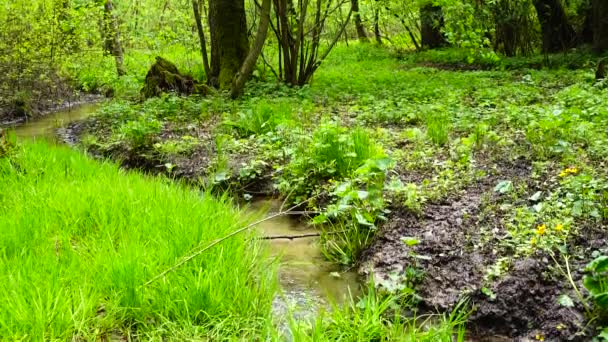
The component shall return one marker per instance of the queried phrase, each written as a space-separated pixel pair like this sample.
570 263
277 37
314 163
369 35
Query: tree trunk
377 27
432 22
112 37
201 37
586 33
558 35
247 68
361 34
229 43
600 25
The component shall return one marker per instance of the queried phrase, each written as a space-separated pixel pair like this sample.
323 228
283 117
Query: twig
301 236
285 200
217 241
568 276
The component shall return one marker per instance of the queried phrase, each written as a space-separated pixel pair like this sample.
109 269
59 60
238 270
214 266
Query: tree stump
164 76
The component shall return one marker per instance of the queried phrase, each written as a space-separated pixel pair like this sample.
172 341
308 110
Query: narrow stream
46 126
307 279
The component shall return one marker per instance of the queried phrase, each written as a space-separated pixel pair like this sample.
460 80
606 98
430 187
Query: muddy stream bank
307 279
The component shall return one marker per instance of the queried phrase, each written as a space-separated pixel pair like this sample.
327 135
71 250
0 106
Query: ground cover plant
452 152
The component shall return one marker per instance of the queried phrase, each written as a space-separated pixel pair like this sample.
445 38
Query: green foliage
332 152
262 117
438 127
77 246
596 282
377 317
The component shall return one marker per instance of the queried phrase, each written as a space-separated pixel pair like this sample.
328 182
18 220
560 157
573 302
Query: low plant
264 116
332 152
140 132
438 126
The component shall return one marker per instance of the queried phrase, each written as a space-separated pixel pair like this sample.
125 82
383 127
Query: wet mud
459 242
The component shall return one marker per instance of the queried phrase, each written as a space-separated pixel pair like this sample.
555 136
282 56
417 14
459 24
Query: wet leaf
565 300
504 187
536 196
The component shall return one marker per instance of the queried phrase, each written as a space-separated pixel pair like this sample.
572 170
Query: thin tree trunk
361 34
201 37
600 25
247 68
229 42
377 27
112 36
558 34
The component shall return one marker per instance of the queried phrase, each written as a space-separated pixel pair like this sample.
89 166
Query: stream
307 279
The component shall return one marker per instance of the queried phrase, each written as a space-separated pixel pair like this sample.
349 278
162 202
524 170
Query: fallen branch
301 236
217 241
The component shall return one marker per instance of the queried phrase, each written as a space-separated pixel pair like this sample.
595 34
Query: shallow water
304 273
307 279
46 127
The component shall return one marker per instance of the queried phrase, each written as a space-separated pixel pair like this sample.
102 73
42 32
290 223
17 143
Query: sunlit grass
78 239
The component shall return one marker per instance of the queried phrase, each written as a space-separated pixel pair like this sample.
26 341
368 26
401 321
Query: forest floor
441 183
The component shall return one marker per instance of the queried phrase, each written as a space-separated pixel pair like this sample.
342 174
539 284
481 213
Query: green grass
78 239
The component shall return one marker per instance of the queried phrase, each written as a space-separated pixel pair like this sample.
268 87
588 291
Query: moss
164 76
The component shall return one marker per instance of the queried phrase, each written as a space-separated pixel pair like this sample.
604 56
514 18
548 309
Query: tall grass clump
78 239
438 127
377 316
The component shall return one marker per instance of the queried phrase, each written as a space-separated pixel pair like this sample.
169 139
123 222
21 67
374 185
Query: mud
461 242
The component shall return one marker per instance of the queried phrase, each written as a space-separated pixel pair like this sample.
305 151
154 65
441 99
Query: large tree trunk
558 34
247 68
229 44
432 22
600 25
361 34
112 37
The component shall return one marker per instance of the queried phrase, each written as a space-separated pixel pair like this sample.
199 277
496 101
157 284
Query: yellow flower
568 171
540 337
559 227
540 230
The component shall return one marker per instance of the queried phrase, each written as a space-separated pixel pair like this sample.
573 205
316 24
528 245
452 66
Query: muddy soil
195 167
461 242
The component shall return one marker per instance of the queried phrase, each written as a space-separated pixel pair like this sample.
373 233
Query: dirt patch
458 245
198 166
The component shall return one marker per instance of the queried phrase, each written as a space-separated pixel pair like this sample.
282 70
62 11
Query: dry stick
217 241
292 237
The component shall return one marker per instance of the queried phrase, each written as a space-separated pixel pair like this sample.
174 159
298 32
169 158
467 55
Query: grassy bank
78 239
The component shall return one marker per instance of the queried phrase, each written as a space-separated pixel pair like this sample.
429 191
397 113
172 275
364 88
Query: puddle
46 126
307 279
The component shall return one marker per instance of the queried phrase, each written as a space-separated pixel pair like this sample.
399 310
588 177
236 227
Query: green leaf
602 300
604 334
503 187
410 241
600 264
566 301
